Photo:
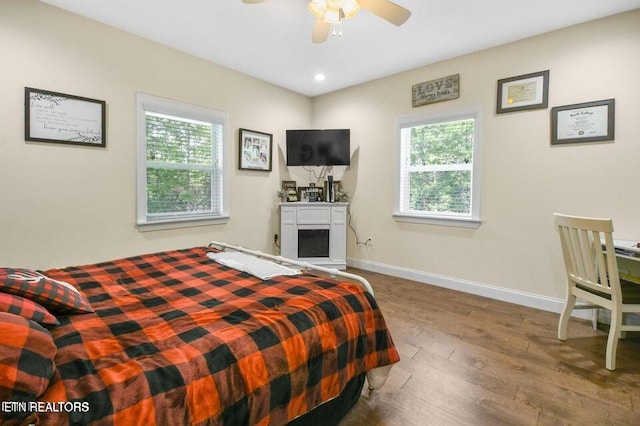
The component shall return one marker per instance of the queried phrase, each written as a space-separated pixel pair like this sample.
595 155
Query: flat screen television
327 147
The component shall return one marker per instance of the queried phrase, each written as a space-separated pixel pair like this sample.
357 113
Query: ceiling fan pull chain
337 32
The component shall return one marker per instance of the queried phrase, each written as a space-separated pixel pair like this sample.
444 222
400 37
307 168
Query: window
181 164
438 179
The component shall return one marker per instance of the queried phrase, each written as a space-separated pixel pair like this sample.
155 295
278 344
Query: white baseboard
498 293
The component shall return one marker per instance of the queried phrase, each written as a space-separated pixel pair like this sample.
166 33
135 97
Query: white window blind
437 167
181 165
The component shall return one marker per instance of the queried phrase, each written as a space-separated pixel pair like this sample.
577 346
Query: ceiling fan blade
387 10
320 31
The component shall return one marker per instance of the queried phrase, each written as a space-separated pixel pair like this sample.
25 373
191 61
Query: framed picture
529 91
586 122
61 118
289 190
255 150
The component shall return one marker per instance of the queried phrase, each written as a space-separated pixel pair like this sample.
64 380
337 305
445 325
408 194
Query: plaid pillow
56 296
26 362
26 308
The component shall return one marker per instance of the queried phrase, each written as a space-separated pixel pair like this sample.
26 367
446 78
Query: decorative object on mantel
338 195
61 118
255 150
311 193
341 195
528 91
585 122
432 91
288 191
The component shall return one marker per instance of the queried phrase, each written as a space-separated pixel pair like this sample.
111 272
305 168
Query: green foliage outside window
440 162
180 164
170 191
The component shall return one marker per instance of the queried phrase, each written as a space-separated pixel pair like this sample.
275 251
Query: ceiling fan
330 13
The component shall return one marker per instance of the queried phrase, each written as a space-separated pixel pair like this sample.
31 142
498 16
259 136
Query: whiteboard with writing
60 118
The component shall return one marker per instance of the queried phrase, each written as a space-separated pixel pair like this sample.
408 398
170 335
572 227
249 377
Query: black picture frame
585 122
65 119
523 92
255 150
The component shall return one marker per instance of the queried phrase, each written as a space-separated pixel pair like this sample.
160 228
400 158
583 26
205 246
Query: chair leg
612 340
564 317
594 319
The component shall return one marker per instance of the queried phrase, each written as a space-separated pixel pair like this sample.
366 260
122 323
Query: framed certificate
528 91
586 122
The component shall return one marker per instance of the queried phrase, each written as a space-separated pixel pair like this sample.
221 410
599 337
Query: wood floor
468 360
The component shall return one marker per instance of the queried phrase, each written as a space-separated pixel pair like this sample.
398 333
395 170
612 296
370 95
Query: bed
175 338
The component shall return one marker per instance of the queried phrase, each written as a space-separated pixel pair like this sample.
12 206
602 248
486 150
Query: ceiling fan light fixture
333 11
335 4
332 16
350 8
318 8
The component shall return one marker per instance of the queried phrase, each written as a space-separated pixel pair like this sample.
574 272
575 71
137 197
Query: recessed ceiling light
319 77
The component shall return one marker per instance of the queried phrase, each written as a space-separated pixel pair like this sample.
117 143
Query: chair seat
630 292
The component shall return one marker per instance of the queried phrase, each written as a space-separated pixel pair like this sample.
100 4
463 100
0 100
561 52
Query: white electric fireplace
314 233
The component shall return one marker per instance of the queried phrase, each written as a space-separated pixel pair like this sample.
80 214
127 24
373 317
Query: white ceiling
272 40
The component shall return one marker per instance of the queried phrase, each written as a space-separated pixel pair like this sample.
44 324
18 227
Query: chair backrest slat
601 261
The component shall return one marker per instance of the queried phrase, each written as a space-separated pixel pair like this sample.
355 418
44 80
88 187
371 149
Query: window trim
146 102
466 221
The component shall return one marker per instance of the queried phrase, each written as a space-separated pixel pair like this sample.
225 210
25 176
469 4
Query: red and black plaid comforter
177 339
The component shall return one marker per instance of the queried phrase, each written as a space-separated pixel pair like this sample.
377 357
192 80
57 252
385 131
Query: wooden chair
592 275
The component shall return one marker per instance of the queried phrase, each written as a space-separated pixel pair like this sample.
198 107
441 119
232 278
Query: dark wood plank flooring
469 360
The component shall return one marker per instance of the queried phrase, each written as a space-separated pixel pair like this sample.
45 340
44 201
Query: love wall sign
442 89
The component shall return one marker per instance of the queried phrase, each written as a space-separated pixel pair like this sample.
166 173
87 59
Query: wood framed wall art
61 118
438 90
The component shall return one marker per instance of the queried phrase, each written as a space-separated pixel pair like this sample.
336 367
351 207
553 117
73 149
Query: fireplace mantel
307 217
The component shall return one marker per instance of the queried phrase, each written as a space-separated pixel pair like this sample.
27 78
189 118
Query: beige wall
64 205
524 179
